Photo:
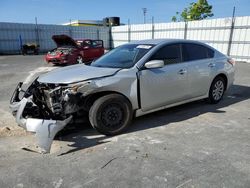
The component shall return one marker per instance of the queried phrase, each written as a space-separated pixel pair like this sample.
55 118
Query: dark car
30 48
70 51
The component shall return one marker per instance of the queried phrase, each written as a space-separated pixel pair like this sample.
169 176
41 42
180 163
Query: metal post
98 34
231 33
37 32
110 37
21 43
153 28
129 31
185 30
70 29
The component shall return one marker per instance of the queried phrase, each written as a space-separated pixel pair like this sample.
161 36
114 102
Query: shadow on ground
236 94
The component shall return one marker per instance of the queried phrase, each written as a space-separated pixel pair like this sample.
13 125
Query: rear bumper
45 130
230 77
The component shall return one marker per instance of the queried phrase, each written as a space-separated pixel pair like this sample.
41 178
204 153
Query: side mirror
154 64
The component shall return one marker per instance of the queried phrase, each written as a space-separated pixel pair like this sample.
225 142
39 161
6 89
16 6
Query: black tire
217 90
110 114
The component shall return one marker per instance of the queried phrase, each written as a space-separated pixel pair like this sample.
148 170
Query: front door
166 85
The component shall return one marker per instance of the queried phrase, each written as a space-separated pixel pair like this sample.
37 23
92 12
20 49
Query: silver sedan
132 80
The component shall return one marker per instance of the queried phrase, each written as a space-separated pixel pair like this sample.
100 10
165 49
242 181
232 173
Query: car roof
161 41
84 39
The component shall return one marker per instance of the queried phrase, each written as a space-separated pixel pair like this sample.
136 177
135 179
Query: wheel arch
91 98
224 76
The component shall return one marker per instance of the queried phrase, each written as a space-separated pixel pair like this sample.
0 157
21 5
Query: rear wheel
217 90
110 114
79 59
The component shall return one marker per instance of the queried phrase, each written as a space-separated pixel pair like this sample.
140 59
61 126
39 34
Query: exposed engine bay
54 101
62 50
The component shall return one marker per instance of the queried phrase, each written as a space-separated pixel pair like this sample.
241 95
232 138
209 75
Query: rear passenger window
170 54
193 52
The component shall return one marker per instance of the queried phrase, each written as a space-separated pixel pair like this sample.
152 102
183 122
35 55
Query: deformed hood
75 73
63 40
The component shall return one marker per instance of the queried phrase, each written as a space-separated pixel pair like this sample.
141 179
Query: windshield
125 56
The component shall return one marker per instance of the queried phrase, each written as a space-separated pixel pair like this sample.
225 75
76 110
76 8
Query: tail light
231 61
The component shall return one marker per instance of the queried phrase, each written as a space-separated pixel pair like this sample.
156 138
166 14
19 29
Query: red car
71 51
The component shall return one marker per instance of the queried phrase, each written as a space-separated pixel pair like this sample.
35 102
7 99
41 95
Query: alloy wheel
218 90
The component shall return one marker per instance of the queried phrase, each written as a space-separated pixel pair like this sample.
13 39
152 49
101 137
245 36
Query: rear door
166 85
201 68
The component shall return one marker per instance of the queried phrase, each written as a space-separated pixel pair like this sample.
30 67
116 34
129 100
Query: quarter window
193 52
170 54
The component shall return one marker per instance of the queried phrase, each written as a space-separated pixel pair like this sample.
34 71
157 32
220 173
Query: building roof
90 22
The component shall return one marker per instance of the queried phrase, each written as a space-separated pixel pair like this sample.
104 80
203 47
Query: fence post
98 34
129 31
37 32
185 30
21 43
110 37
153 28
231 33
70 28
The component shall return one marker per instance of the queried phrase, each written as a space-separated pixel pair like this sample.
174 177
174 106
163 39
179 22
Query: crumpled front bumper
44 129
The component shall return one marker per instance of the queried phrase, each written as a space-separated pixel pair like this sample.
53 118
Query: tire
217 90
79 59
110 114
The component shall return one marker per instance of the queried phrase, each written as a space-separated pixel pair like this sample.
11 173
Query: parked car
71 51
30 48
130 81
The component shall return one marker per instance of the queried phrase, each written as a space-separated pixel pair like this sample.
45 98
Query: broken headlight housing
64 100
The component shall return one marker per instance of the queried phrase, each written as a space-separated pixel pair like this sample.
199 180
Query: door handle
182 71
211 65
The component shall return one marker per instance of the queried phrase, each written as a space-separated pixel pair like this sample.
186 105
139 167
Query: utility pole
144 10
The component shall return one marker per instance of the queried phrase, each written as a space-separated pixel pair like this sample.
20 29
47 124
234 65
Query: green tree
196 11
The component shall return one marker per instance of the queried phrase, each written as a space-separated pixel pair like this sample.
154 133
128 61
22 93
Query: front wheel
217 90
110 114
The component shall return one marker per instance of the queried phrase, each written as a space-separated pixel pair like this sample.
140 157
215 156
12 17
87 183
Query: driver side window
170 54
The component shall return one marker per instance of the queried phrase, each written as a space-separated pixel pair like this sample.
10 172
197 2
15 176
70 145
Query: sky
61 11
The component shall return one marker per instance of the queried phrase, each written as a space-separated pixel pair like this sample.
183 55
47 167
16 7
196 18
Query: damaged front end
45 109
